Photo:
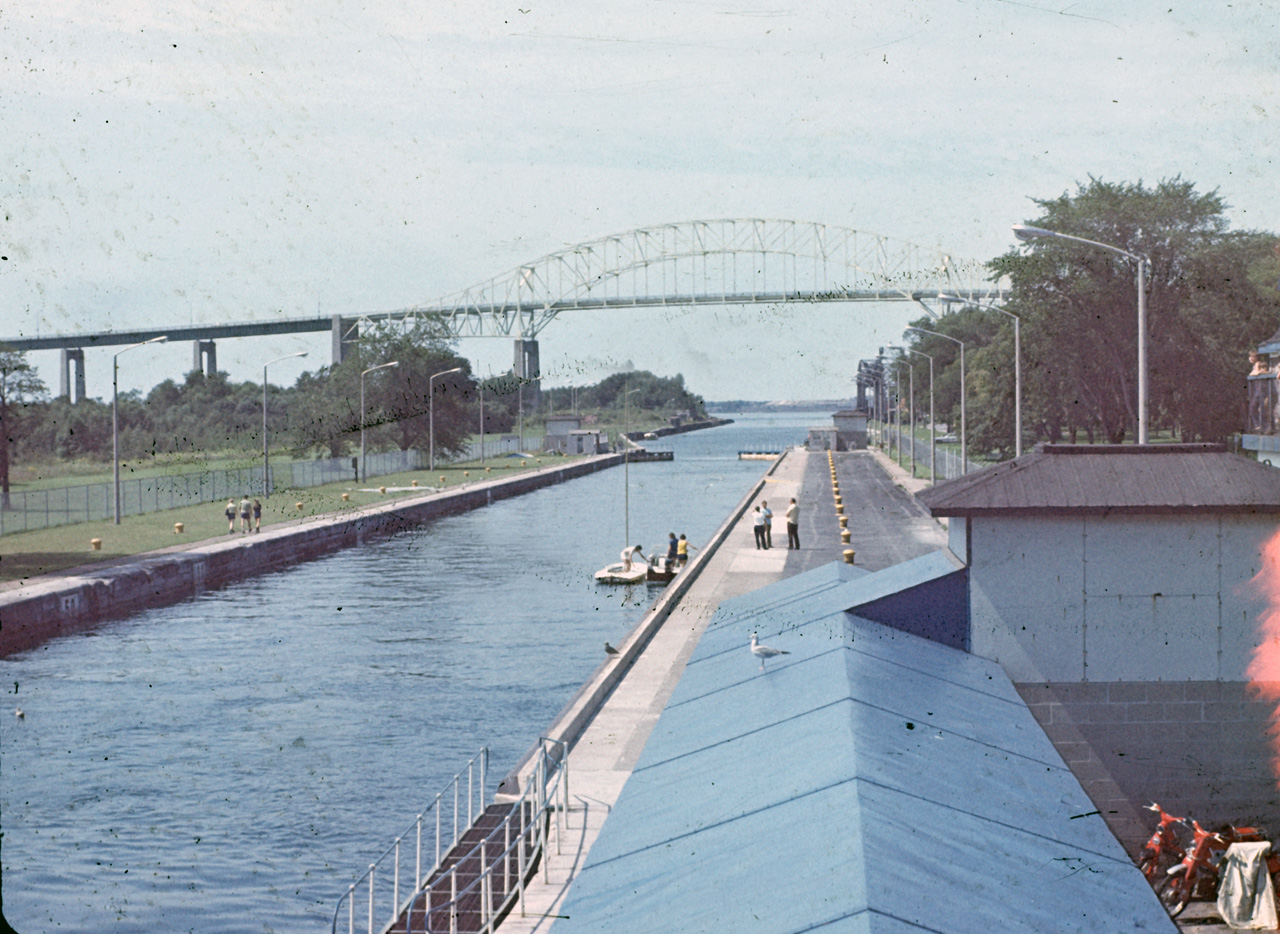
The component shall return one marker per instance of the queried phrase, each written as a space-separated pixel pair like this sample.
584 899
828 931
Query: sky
179 163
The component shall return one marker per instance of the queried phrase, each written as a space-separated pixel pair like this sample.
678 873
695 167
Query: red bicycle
1164 849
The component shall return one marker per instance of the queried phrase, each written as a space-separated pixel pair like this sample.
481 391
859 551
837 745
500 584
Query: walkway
888 527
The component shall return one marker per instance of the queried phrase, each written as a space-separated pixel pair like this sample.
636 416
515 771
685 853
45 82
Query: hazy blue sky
183 162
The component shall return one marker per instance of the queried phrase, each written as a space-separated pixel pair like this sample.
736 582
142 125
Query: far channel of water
232 762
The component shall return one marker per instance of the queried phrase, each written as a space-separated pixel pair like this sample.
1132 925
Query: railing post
484 774
484 900
455 809
506 858
351 909
438 806
520 860
417 863
453 900
470 792
372 867
395 884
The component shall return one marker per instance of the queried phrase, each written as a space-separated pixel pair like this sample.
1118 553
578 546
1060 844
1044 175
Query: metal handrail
392 852
500 852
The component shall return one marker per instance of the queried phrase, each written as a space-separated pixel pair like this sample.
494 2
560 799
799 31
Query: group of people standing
250 515
763 523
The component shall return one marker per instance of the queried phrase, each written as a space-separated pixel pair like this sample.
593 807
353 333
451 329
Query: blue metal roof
871 780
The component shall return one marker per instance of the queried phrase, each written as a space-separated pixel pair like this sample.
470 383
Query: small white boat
621 574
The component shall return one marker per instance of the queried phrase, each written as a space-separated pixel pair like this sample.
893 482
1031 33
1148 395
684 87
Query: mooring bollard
442 479
382 489
844 521
346 497
298 506
466 473
848 556
845 535
415 482
95 544
840 510
177 528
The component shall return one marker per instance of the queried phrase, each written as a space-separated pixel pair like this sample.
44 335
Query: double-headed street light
1023 232
362 376
265 474
933 429
431 416
964 424
115 419
1017 361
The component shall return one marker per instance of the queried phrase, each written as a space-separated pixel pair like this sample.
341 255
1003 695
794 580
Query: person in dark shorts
246 512
793 525
257 515
230 513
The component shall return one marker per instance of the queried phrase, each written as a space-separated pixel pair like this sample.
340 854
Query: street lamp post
265 474
933 430
482 421
1017 362
1023 232
115 419
431 416
626 463
380 366
964 423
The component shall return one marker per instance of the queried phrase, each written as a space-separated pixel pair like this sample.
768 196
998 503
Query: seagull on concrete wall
609 650
764 651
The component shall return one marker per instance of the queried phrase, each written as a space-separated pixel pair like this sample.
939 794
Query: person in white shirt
793 525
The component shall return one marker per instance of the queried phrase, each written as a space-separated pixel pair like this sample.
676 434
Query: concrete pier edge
44 608
573 719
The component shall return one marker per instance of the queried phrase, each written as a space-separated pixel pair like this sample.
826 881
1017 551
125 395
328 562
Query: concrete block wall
1202 749
1116 598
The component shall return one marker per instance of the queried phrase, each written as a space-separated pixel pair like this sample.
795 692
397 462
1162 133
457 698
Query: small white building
1114 584
558 430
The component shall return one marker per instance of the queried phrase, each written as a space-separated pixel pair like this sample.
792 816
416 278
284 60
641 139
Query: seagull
764 651
19 714
609 650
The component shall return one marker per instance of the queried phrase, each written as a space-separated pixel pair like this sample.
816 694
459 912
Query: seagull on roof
764 651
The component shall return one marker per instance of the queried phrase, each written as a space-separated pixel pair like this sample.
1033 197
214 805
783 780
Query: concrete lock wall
1117 598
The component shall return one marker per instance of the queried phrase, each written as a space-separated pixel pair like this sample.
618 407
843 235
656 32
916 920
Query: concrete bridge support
71 357
528 370
204 357
346 332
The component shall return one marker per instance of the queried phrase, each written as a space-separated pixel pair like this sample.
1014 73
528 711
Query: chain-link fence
38 509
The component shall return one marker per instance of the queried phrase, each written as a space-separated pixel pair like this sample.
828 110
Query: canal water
233 762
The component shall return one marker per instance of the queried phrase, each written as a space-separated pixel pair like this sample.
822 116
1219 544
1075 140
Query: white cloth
1246 899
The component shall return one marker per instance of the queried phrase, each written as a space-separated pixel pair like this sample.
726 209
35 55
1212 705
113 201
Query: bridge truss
716 262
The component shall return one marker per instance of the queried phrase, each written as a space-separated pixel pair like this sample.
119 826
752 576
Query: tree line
1211 298
320 415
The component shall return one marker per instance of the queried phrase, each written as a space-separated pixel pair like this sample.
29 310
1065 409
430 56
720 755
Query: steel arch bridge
714 262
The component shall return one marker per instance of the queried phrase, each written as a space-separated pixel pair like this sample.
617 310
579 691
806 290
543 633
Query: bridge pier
204 357
71 357
345 333
528 370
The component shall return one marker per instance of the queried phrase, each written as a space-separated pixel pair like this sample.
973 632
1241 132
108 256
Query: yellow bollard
95 544
466 473
488 470
839 499
845 535
298 506
840 510
346 497
382 489
844 521
177 528
848 556
415 482
442 479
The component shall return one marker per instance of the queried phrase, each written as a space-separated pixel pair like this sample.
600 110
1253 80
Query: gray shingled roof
1100 478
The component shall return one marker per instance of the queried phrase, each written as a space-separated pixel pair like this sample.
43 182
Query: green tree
19 388
1078 305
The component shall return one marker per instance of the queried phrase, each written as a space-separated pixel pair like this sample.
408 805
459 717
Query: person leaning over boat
682 551
673 550
628 554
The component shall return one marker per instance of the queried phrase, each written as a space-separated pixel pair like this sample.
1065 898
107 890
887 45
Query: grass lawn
47 551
